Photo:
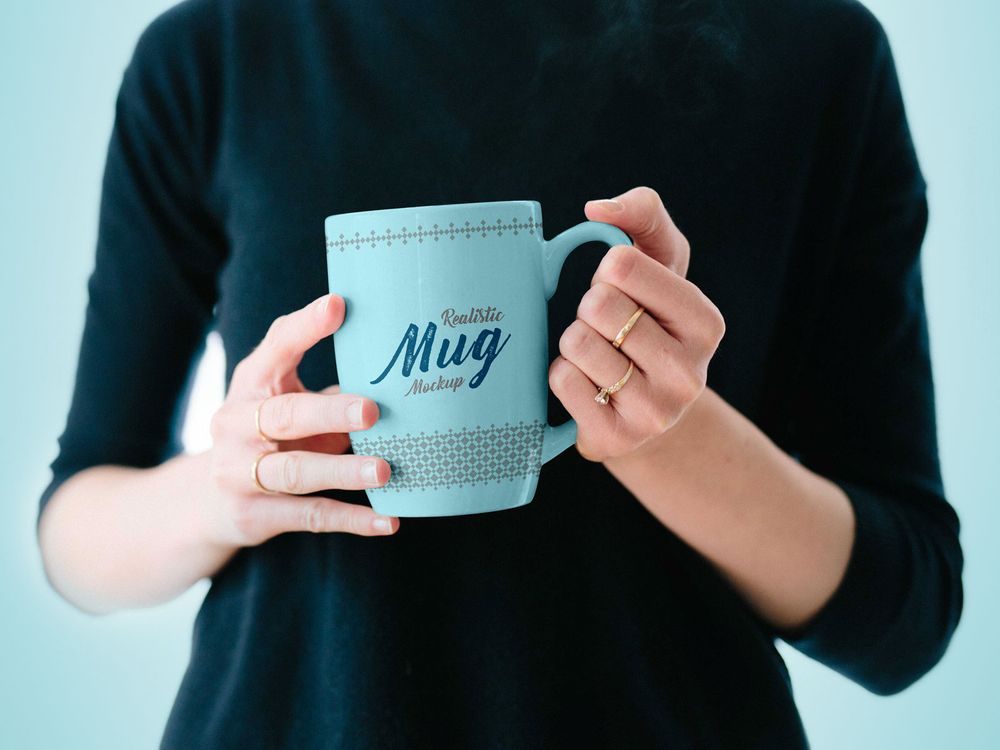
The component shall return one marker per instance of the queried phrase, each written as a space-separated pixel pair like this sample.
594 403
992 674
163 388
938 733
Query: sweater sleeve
865 418
152 288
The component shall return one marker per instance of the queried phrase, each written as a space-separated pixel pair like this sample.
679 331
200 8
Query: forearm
780 533
114 537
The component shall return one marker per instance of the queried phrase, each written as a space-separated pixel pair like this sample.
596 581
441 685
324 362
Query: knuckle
239 372
217 425
354 523
620 261
244 517
337 413
596 301
291 473
277 324
652 209
282 415
718 325
559 374
684 243
714 325
276 330
573 342
589 451
650 194
661 417
689 385
314 516
651 223
342 470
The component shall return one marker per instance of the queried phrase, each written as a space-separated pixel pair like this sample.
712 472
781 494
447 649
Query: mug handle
554 254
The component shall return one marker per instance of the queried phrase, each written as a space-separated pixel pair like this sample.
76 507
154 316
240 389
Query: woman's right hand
308 447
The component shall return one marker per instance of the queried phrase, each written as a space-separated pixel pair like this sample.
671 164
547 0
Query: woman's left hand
670 344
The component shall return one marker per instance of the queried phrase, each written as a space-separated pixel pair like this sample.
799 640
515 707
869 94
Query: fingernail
354 410
382 524
369 472
609 204
322 304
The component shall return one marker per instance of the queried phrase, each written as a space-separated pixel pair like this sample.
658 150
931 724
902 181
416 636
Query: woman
778 481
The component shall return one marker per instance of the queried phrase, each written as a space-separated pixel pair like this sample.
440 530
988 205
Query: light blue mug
447 330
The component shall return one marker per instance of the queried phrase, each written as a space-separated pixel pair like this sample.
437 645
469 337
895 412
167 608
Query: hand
308 447
671 343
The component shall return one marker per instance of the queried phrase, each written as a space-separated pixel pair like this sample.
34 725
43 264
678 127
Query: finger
645 219
607 308
576 392
269 515
604 365
675 303
302 472
331 442
288 339
289 416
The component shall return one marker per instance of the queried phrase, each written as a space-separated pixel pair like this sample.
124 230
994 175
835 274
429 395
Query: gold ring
627 327
256 421
603 395
256 479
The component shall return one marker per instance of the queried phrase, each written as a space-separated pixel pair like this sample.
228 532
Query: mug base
455 501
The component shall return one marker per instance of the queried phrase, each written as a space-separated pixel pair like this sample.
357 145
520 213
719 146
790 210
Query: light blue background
70 680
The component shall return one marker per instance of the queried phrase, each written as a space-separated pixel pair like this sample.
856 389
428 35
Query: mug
446 329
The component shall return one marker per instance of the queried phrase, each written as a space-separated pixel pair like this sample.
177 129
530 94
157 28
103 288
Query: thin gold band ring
256 479
256 421
627 327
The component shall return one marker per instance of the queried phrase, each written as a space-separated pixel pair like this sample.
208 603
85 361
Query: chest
334 154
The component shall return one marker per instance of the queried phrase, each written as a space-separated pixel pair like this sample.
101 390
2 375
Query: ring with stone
604 395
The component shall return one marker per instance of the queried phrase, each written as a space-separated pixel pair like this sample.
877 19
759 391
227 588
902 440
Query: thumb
641 214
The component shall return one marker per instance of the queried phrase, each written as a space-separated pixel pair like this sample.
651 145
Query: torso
579 619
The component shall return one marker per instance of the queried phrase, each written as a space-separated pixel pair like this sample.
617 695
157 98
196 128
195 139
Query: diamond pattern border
453 458
435 232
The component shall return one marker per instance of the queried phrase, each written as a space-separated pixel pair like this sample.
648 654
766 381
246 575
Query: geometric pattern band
434 232
453 458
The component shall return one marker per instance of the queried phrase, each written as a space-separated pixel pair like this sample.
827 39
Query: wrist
660 446
202 526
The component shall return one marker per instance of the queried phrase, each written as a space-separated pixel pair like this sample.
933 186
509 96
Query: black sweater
782 151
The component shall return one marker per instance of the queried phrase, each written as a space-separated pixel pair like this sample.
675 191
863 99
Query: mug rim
436 207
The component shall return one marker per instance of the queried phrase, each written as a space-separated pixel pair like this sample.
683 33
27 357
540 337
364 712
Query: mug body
446 329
